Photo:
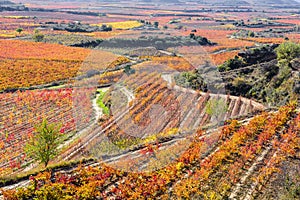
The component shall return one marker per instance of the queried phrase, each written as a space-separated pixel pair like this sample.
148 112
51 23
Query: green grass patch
101 104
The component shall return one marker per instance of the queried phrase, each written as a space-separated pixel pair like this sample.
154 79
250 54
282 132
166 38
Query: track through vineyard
241 148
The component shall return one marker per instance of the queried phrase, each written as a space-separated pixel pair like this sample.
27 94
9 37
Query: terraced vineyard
178 113
230 165
149 100
184 108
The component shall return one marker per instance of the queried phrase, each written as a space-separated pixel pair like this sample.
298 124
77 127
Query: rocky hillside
269 74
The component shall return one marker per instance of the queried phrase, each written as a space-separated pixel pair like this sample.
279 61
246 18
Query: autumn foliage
21 111
25 64
189 176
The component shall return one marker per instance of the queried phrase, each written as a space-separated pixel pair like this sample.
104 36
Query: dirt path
94 130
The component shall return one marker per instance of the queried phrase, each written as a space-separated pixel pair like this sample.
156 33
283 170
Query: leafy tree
43 145
192 35
200 40
19 30
286 52
231 64
104 27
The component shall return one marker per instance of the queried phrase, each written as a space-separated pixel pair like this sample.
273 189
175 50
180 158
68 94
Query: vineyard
124 25
21 111
25 50
239 154
178 112
149 100
175 63
220 58
25 64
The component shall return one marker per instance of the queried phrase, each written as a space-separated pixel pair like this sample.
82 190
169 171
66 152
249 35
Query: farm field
21 111
149 99
26 64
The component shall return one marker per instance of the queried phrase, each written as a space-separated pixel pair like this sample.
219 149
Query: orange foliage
227 43
266 40
295 37
188 176
220 58
289 21
176 63
24 73
25 64
26 50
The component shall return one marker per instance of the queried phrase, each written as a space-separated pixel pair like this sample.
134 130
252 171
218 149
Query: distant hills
6 5
249 2
271 3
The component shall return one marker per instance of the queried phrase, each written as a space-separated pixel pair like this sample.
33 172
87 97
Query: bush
286 52
38 37
191 80
231 64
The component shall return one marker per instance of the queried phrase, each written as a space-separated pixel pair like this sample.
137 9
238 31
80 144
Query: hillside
149 99
256 73
244 157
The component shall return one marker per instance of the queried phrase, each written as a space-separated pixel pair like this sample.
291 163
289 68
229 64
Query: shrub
286 52
38 37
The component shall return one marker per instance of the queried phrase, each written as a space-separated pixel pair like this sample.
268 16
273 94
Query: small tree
43 145
19 30
192 35
103 26
38 37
